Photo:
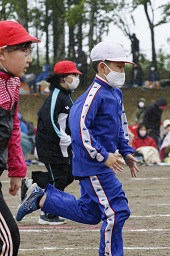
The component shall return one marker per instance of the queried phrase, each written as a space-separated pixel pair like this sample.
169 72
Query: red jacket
147 141
11 155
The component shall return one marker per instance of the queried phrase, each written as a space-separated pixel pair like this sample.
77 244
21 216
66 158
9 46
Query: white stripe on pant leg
4 244
108 212
8 239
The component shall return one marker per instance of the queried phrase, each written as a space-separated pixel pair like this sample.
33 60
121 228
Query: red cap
13 33
66 67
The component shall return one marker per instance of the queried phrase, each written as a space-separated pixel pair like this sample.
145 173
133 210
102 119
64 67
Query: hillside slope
29 104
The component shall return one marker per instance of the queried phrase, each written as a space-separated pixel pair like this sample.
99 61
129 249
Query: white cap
166 123
108 50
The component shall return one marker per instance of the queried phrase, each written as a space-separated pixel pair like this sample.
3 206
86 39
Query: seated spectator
143 139
146 150
41 78
30 80
165 146
153 78
137 75
36 82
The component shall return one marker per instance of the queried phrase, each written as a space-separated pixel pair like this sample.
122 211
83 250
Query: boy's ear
101 67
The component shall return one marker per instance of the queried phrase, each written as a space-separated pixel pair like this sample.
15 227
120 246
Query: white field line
91 248
154 178
149 216
159 204
91 230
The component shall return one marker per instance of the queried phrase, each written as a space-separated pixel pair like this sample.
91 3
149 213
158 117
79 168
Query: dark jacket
53 134
153 76
152 115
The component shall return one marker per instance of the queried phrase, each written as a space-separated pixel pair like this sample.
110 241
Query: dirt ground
146 232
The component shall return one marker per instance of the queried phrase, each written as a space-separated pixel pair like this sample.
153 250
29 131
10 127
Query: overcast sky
142 31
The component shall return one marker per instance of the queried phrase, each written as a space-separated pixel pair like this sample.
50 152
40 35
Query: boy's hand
114 162
131 162
15 184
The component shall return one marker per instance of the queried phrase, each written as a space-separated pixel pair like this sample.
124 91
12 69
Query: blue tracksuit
96 130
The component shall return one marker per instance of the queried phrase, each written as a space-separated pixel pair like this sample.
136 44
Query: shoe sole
44 222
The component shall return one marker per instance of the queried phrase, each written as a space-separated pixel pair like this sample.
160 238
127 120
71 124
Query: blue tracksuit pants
102 198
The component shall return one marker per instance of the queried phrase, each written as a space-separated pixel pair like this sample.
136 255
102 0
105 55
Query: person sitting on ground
36 82
165 146
137 75
145 147
153 78
143 139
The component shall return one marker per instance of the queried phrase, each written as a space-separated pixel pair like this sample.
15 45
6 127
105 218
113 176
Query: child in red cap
15 58
53 141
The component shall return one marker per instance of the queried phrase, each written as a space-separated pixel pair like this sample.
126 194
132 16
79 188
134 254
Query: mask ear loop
3 67
67 83
107 66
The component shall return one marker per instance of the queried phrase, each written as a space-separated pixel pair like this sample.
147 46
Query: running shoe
31 202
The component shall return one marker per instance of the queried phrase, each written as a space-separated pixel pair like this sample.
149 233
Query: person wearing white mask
143 139
146 150
141 106
53 141
97 133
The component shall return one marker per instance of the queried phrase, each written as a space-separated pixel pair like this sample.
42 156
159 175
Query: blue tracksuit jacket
96 128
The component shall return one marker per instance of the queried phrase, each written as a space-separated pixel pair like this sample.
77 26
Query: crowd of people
86 140
152 79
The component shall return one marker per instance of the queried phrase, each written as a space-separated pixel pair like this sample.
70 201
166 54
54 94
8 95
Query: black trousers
9 233
60 175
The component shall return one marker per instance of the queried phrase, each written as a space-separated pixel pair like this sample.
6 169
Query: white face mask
74 83
142 133
141 104
114 78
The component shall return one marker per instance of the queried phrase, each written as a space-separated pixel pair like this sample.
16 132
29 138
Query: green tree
75 18
21 9
58 29
7 10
